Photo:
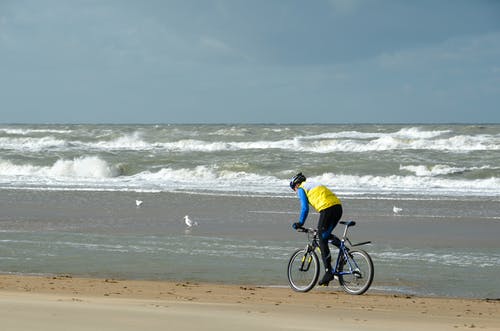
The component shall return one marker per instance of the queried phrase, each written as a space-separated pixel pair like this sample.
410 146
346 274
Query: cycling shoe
326 279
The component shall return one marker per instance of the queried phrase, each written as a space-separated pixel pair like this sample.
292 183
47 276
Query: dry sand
67 303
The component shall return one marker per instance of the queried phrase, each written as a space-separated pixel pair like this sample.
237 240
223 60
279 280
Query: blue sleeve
305 205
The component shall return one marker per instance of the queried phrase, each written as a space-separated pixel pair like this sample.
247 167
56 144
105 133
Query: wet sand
65 302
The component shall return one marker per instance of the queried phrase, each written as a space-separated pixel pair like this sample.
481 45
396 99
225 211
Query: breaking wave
330 142
252 159
81 167
97 174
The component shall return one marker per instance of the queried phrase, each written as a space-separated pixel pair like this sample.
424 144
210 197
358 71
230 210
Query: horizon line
251 123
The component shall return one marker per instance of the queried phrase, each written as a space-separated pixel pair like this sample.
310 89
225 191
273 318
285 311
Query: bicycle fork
306 259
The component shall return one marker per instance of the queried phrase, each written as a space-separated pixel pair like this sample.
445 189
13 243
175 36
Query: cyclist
330 212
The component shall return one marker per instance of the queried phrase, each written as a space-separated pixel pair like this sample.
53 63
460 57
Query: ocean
427 196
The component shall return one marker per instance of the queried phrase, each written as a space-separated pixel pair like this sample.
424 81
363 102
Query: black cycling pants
328 220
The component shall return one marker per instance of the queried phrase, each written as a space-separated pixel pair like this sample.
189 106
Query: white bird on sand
190 223
396 210
138 203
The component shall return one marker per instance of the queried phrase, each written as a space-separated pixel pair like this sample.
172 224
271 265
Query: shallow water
238 240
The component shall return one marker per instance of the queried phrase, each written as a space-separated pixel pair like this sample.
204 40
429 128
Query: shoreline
56 302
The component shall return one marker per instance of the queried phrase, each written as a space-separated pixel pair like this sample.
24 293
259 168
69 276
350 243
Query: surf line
273 212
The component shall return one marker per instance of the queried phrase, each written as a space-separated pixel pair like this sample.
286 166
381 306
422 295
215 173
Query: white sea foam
208 178
390 142
203 178
14 131
395 184
310 144
232 131
345 141
404 133
348 141
96 173
87 167
81 167
32 144
436 170
440 169
7 168
417 133
133 141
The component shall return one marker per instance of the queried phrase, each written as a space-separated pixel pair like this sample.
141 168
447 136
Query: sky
254 61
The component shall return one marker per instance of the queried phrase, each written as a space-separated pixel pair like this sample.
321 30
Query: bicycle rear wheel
356 274
303 270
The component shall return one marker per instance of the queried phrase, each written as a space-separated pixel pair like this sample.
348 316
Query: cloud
471 49
215 47
232 57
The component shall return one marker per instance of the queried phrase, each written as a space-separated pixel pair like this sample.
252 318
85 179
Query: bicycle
353 268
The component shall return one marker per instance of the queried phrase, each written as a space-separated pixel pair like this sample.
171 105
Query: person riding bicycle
330 212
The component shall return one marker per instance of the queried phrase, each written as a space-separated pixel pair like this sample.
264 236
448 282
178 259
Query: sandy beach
64 302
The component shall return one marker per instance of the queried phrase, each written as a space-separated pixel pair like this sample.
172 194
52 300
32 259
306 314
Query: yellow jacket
319 196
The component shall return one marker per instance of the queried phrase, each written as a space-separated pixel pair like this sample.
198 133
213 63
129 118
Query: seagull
189 222
138 203
396 210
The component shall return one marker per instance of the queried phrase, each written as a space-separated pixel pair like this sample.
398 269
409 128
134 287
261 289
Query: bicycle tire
359 272
303 270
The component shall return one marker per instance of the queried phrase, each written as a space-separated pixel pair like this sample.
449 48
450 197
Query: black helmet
297 179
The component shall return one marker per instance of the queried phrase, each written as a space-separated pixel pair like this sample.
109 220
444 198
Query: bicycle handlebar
306 230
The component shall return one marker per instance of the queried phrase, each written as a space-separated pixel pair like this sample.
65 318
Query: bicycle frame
342 254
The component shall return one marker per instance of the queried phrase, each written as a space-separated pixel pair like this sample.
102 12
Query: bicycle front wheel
303 270
356 274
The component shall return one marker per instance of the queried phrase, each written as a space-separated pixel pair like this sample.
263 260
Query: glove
296 225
